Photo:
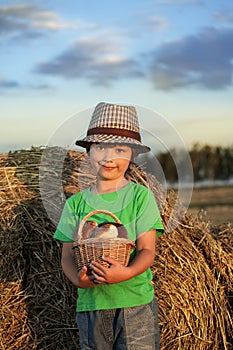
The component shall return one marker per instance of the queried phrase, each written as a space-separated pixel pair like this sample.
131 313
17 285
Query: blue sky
58 58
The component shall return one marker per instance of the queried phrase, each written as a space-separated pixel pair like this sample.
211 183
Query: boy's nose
108 155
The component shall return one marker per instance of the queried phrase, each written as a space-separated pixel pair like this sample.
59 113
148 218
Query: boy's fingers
83 271
111 261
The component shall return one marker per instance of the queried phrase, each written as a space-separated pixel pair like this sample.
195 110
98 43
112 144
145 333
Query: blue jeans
131 328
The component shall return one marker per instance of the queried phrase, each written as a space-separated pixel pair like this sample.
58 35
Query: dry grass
14 317
216 203
192 273
212 195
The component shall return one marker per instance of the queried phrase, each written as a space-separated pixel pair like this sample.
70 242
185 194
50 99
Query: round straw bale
192 272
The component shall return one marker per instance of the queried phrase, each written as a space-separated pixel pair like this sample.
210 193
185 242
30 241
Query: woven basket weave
93 249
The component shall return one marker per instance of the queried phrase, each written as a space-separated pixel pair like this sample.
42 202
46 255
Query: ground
217 203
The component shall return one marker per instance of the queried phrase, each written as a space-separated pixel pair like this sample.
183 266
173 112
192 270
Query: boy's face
110 161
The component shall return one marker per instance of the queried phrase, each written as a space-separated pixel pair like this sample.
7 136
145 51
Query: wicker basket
93 249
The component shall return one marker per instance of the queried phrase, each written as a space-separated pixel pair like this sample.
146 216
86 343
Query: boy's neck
109 186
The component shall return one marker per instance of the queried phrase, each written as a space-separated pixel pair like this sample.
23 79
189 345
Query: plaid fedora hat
111 123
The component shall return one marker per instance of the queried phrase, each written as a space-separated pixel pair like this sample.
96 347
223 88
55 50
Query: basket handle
79 233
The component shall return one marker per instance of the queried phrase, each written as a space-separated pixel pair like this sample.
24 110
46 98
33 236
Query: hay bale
32 256
194 302
15 332
192 273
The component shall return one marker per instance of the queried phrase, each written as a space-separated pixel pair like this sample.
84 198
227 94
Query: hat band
113 131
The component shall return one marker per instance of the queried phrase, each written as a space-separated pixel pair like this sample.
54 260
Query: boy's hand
85 280
108 275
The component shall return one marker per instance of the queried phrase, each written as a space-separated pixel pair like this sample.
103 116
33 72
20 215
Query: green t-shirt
136 208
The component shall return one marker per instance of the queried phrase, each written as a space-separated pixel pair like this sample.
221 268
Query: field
215 202
192 272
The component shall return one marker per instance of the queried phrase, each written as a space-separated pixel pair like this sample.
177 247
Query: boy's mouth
105 167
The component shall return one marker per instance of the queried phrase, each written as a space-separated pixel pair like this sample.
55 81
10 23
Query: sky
58 59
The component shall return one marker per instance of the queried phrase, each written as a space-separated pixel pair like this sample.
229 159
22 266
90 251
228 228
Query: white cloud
203 60
29 21
7 84
98 59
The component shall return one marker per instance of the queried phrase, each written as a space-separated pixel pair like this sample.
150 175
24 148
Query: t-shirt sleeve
148 217
67 224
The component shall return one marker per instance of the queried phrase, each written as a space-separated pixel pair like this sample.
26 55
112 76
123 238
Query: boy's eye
120 150
117 149
99 147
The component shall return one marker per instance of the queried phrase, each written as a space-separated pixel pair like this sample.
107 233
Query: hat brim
103 138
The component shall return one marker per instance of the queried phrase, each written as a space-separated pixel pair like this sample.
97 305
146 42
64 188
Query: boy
116 308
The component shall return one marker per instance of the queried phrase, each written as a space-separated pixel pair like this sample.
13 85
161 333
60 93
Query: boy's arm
117 272
80 279
145 253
